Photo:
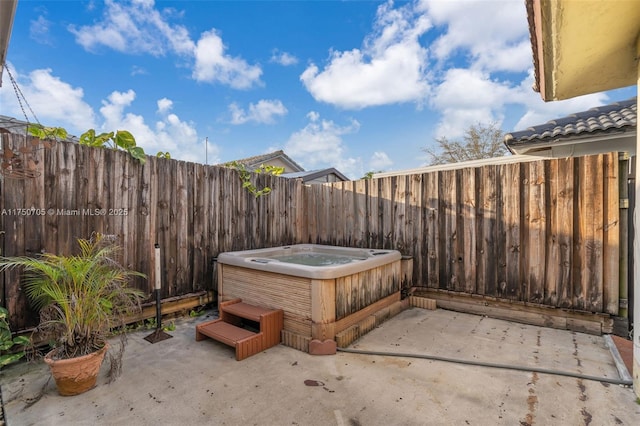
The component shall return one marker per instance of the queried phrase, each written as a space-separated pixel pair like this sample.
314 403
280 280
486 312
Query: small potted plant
80 299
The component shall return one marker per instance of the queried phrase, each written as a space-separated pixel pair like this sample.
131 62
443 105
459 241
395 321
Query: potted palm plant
80 299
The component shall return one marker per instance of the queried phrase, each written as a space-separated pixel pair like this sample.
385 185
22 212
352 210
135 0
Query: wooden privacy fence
192 211
542 232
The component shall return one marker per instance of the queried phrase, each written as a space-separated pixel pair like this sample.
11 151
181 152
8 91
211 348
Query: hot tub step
228 328
223 332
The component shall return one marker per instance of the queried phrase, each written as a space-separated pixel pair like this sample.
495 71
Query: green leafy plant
47 133
194 313
79 298
245 176
122 139
7 341
169 327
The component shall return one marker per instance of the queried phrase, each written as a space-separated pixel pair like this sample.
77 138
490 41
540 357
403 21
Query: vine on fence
120 139
245 176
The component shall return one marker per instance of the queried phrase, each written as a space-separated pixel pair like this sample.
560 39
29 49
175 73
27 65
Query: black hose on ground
490 365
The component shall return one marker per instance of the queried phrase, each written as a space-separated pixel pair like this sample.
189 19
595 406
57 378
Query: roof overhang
7 13
578 145
582 47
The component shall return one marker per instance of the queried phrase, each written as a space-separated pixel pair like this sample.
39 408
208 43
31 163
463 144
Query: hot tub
323 290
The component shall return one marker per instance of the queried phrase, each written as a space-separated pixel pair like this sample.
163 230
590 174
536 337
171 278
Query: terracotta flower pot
76 375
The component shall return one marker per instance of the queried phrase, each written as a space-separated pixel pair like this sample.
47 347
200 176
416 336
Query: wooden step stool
229 330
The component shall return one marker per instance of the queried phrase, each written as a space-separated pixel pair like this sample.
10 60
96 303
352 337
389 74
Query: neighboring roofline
258 160
7 15
522 148
313 174
601 122
509 159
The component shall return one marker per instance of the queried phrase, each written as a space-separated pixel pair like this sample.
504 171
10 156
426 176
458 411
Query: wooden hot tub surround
314 308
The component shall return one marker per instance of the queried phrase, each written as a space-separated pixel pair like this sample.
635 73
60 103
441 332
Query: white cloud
55 102
390 68
214 66
494 33
320 145
164 105
283 58
467 97
137 27
137 70
39 30
264 112
380 161
61 105
169 133
488 42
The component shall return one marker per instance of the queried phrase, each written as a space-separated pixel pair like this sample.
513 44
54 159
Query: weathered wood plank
398 227
591 232
611 204
374 235
536 221
512 207
520 312
468 214
198 229
386 208
553 263
336 226
361 214
447 228
486 240
433 231
415 229
13 231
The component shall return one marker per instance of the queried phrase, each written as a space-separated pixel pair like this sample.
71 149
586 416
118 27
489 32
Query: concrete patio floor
181 382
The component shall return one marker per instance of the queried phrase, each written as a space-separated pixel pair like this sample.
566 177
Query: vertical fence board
468 212
458 241
565 212
373 206
487 252
553 263
415 231
611 270
387 219
591 232
200 228
446 227
433 235
13 199
337 223
361 214
536 224
513 218
400 215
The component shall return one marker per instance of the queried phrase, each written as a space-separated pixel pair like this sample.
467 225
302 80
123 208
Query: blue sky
357 85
